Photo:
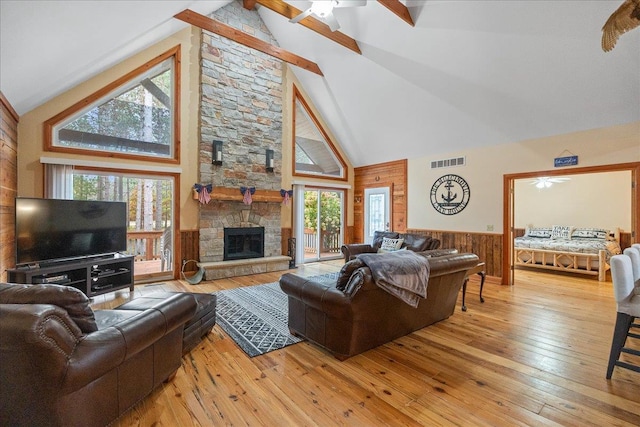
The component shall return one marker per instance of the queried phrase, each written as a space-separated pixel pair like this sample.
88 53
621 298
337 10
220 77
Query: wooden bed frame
573 262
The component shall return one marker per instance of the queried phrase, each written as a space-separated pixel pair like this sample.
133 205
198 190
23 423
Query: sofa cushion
71 299
346 271
416 242
379 235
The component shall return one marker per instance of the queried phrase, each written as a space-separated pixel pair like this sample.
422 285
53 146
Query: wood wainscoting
189 249
8 184
487 246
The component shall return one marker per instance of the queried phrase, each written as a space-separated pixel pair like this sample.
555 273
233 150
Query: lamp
217 153
269 160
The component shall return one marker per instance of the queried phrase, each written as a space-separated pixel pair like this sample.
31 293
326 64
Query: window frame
297 96
65 115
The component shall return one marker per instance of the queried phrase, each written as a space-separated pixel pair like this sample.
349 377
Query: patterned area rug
255 317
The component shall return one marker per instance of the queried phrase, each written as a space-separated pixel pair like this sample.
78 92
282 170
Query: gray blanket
403 274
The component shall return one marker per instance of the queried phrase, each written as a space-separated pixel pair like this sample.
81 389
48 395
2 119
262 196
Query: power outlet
490 227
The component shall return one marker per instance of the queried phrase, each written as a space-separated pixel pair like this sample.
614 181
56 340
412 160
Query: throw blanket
403 274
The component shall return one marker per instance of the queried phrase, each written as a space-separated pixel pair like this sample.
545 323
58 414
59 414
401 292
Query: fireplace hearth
243 243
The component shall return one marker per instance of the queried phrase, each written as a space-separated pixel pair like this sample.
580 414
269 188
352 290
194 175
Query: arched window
134 117
313 151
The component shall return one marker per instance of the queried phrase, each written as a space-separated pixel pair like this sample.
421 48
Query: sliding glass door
323 224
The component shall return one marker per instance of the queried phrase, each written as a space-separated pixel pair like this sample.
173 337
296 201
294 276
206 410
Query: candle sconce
217 153
269 161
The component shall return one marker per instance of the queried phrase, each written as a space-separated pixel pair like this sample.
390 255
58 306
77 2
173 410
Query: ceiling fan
323 10
546 182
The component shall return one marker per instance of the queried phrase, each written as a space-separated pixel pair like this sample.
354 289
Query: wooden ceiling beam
399 9
217 27
310 22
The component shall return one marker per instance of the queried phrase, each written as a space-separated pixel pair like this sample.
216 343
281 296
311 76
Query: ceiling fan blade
331 21
351 3
300 17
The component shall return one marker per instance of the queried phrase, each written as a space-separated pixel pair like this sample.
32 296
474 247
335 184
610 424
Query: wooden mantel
234 195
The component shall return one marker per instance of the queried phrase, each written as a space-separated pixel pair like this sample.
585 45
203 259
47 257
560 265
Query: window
136 116
151 210
314 153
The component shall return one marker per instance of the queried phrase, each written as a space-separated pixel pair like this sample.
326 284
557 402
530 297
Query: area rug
255 317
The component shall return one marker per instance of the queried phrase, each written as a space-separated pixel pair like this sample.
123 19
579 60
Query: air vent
456 161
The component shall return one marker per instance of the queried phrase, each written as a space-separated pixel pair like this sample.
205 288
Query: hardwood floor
533 354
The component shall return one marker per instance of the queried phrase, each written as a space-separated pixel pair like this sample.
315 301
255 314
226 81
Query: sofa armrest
40 343
350 251
322 297
99 352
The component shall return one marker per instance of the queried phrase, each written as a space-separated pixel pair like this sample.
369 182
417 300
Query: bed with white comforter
566 248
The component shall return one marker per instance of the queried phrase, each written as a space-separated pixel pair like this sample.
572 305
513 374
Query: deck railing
329 241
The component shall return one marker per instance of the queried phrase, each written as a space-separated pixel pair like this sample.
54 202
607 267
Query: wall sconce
217 153
269 161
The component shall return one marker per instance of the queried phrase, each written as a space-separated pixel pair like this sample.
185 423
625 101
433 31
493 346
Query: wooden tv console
92 275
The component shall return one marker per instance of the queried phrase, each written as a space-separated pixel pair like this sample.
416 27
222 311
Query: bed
566 248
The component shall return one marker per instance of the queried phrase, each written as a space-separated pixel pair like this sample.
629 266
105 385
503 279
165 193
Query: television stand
92 275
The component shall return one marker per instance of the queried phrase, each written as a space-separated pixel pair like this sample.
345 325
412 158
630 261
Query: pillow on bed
561 231
538 232
590 233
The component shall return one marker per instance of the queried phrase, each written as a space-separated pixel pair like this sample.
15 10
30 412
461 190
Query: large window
314 153
150 200
135 116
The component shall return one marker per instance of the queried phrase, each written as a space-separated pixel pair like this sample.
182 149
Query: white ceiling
469 74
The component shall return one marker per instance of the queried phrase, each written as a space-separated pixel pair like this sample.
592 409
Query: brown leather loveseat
359 316
412 242
62 364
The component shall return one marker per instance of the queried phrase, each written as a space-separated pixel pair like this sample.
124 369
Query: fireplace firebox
243 243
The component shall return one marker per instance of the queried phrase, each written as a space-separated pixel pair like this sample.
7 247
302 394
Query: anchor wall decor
450 194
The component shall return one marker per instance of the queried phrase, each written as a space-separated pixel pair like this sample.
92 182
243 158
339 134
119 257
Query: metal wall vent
456 161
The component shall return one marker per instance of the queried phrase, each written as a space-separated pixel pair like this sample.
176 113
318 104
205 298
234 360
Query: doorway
509 200
377 211
323 224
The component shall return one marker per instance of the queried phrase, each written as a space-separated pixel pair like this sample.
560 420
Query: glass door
150 231
323 224
377 211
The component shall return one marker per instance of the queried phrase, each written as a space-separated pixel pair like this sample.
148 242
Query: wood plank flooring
534 354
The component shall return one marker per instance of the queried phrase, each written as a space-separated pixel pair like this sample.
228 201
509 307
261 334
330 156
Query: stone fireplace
240 105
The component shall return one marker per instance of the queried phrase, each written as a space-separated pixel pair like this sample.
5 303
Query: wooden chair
628 308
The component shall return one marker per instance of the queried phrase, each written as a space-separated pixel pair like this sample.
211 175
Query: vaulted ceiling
467 74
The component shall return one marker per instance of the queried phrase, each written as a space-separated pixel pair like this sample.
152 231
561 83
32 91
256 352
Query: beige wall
485 168
30 130
601 200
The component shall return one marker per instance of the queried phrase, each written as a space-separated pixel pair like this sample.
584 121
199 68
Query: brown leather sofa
62 364
362 316
412 242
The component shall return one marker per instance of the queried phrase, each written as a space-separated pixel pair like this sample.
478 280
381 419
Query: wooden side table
479 270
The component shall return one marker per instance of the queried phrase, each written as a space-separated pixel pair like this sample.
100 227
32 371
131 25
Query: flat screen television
53 229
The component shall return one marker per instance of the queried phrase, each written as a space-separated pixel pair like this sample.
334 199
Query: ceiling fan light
322 8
